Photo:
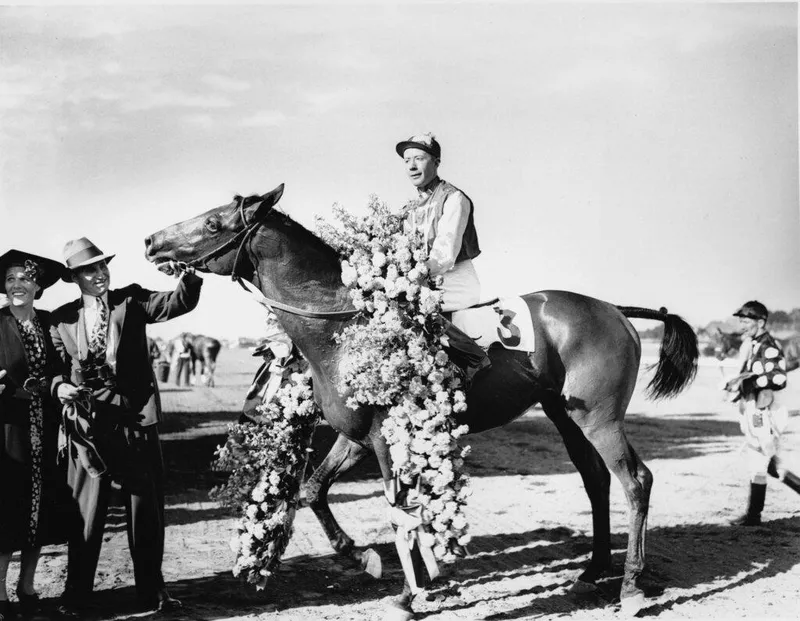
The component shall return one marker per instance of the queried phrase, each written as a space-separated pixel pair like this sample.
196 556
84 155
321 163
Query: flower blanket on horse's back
397 360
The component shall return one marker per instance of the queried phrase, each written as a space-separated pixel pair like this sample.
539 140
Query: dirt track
529 518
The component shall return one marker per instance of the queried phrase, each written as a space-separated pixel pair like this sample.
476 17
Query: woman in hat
28 421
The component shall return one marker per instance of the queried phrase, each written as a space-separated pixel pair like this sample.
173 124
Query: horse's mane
306 237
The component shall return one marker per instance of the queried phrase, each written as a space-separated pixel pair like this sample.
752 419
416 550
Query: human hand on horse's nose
179 268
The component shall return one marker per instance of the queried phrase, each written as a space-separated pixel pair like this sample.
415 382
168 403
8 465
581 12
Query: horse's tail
677 360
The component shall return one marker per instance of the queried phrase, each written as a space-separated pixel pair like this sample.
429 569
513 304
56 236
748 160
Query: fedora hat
426 142
80 253
43 271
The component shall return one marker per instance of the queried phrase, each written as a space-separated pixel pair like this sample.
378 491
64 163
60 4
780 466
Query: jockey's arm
449 234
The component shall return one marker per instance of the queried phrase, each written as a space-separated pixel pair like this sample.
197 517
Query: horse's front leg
343 455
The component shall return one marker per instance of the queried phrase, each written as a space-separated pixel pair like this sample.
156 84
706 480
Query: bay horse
204 349
583 371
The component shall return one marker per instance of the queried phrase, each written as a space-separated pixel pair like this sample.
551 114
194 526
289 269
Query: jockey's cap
426 142
752 309
80 253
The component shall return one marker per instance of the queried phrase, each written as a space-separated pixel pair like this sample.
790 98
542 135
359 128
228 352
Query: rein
242 237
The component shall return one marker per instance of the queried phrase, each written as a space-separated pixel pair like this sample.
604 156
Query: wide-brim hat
80 253
45 272
425 142
753 310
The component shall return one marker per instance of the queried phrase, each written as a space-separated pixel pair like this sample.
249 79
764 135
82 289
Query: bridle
241 238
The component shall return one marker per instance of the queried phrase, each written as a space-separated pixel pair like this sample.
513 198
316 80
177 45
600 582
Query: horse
583 371
203 349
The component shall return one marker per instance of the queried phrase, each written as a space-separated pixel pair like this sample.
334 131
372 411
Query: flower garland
266 459
397 359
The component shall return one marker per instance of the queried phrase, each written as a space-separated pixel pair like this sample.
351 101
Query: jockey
763 415
444 216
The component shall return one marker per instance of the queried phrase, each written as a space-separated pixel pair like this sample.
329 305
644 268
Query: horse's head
211 242
726 344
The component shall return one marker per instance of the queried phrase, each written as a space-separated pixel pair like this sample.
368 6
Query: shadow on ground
539 565
528 446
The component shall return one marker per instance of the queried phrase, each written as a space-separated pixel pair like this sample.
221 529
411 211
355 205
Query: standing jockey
763 415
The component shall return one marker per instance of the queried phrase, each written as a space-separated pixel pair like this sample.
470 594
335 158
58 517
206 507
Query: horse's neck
295 268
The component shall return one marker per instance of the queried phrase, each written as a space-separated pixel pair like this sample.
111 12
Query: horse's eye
212 225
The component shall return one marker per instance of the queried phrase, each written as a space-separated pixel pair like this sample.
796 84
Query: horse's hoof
580 587
632 605
395 613
371 563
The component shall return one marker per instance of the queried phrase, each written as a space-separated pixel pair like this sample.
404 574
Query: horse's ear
267 202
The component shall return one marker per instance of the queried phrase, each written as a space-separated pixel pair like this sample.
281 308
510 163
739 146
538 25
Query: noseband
242 237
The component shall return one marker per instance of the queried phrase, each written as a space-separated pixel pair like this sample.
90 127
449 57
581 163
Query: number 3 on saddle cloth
506 321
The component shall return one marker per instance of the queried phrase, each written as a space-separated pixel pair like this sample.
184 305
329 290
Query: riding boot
752 517
465 352
792 481
788 478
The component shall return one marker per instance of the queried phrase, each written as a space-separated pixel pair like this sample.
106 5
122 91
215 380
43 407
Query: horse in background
203 349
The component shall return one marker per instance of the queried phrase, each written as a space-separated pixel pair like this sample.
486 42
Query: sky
641 153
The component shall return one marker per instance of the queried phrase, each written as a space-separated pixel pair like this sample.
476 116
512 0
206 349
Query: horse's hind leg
637 480
208 370
343 455
596 480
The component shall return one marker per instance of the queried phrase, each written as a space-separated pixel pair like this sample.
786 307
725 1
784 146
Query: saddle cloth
506 321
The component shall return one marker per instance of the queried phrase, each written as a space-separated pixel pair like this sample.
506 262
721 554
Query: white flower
771 352
394 359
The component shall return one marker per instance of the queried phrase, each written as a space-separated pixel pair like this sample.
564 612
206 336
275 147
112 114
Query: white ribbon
409 531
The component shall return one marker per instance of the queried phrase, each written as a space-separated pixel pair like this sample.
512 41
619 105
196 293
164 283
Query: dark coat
55 510
15 401
131 309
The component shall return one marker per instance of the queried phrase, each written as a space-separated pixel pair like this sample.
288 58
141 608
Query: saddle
504 321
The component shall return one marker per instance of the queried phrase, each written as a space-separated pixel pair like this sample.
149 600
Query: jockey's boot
788 478
465 352
755 505
792 481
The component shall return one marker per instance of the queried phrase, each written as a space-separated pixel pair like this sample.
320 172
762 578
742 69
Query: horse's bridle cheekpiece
241 238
